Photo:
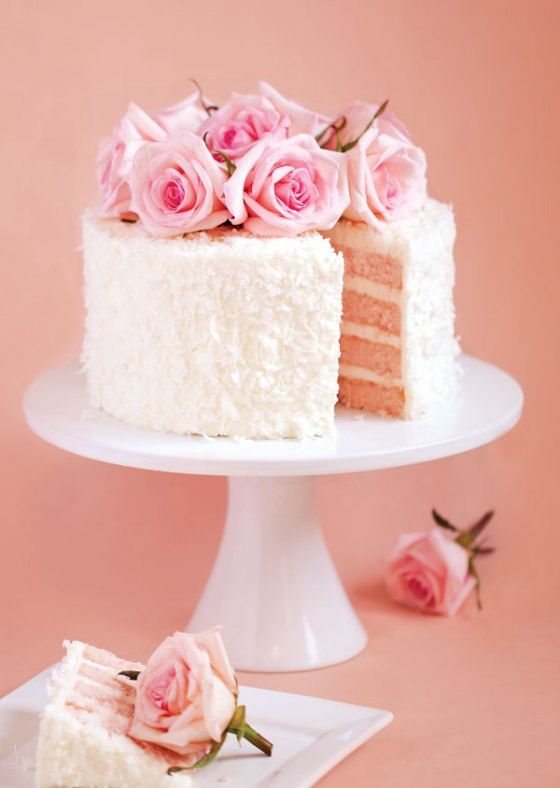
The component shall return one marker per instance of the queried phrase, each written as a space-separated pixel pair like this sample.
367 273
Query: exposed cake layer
217 333
369 311
380 398
380 357
83 734
371 265
398 328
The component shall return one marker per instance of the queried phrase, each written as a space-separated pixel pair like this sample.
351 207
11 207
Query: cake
227 243
218 333
83 741
397 347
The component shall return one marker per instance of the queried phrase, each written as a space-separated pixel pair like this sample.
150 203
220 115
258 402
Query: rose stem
257 740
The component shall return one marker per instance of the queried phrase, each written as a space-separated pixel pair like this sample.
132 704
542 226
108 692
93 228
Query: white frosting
213 334
362 373
423 244
371 333
373 289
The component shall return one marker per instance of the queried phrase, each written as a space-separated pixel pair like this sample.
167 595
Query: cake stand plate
274 587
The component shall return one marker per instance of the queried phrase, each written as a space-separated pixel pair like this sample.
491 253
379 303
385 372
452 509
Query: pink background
118 556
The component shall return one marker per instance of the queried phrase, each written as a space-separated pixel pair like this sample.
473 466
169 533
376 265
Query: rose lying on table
435 572
186 699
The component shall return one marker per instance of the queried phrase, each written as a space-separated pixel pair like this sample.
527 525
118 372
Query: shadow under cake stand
273 587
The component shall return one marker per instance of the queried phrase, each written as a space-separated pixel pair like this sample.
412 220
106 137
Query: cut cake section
398 348
83 741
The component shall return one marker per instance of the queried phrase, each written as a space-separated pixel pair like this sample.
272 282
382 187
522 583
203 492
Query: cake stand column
273 587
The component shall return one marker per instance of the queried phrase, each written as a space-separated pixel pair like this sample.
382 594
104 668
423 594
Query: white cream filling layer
371 333
360 284
361 373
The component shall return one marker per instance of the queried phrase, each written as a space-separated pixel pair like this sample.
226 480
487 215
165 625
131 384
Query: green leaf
475 530
482 549
216 747
130 674
442 522
214 750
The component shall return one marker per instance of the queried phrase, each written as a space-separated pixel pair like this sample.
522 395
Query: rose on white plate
186 699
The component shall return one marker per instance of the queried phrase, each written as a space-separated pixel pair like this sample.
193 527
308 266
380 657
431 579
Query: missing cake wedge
398 346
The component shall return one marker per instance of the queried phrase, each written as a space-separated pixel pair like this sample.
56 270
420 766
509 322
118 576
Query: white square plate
310 736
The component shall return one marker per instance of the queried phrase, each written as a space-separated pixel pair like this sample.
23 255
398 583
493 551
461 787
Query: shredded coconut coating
218 333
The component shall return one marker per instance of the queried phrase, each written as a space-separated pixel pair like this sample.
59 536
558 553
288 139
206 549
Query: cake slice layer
385 400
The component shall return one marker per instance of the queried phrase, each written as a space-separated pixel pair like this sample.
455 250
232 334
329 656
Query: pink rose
187 115
301 120
429 572
114 160
240 123
386 171
287 186
186 695
176 186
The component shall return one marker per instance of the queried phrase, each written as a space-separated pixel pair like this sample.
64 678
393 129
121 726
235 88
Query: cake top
261 162
225 239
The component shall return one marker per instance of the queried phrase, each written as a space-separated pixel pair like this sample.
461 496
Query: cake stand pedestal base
274 587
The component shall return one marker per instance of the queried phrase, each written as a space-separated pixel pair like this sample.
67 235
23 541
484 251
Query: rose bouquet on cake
260 161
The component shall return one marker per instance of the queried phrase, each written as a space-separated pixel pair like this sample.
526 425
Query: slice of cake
83 741
398 349
215 333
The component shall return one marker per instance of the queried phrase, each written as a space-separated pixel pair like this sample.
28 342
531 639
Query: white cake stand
273 586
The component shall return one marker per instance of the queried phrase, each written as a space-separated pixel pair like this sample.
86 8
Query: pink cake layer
369 311
379 357
110 699
373 397
373 266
